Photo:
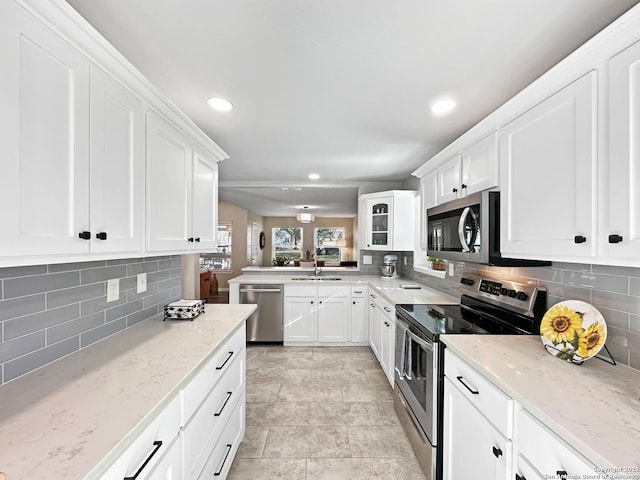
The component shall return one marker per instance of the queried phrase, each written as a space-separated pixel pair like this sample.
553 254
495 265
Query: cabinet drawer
489 400
196 391
225 449
333 291
203 429
385 307
359 292
546 452
153 444
299 290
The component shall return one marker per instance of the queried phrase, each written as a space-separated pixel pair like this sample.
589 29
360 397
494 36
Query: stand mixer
388 270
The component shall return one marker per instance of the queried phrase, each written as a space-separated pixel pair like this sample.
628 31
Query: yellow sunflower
591 339
560 324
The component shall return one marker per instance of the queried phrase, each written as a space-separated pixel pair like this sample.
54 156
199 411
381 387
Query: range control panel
508 294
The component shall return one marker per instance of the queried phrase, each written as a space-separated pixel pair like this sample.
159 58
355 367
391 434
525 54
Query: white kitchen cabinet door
333 319
169 171
358 320
205 201
117 166
44 139
548 166
480 166
387 345
379 223
300 319
375 329
621 225
449 176
428 199
472 447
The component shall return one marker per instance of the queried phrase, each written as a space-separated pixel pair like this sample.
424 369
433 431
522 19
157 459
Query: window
328 243
221 258
287 243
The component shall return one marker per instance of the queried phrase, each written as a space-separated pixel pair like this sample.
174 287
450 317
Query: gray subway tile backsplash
49 311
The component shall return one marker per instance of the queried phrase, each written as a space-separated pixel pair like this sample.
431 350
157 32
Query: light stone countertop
389 288
63 419
595 406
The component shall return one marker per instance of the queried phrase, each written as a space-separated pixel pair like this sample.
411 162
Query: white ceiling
339 87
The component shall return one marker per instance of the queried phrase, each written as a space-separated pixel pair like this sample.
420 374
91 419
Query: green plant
280 259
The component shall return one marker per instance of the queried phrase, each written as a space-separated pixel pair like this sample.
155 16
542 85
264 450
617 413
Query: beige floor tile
365 392
376 376
310 392
289 352
363 469
336 375
268 469
344 413
357 361
312 362
310 441
388 413
278 413
262 392
379 441
282 375
253 442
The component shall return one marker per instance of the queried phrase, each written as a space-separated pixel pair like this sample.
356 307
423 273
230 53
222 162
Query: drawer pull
225 361
157 444
387 309
217 474
472 390
520 477
562 473
497 452
223 405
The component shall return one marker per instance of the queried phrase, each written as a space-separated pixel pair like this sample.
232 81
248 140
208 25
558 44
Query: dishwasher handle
268 290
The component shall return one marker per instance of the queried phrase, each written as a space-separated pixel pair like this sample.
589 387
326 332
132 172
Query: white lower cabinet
359 332
323 315
382 325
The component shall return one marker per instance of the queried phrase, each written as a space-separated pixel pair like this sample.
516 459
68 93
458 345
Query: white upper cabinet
117 166
620 234
204 201
474 170
169 170
548 171
389 220
44 138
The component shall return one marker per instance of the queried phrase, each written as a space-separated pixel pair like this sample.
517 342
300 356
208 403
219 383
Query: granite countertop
61 420
390 289
595 406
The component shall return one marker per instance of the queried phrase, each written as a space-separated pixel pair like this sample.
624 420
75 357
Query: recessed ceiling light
297 188
220 104
443 106
285 188
314 176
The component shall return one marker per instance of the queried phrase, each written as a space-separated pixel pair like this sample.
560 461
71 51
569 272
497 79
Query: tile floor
321 413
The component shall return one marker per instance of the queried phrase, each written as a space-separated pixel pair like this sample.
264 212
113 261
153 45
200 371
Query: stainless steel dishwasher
265 324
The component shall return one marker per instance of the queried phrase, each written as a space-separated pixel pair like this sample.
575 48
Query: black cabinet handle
473 391
217 474
497 452
579 239
454 190
520 477
354 303
615 238
190 239
197 239
223 405
387 324
157 444
562 473
463 185
85 235
311 302
101 236
225 361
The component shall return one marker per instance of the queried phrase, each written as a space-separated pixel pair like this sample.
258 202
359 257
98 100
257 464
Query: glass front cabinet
379 211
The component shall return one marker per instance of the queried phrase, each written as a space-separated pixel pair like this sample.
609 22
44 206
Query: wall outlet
367 259
452 269
404 259
141 282
113 289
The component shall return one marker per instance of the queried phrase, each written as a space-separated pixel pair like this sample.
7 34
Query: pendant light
305 217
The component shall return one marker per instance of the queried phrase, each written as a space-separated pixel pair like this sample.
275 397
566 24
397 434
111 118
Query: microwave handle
463 219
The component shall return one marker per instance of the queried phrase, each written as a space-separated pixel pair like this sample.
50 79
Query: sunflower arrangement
562 328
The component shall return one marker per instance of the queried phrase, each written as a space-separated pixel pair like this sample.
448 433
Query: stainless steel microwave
468 229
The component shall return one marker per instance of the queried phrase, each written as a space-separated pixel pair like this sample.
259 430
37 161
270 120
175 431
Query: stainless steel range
487 306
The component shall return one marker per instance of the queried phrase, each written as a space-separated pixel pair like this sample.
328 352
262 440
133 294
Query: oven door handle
463 219
424 344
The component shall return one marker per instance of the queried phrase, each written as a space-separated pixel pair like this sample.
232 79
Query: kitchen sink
319 279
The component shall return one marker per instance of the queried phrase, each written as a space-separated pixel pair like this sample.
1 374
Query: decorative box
183 309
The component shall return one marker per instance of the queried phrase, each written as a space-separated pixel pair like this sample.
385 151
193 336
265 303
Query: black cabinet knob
354 303
101 235
463 185
454 190
197 239
311 302
579 239
615 238
497 452
85 235
190 239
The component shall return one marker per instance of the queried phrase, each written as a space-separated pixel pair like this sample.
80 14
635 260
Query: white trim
430 271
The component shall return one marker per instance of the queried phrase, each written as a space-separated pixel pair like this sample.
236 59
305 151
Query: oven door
416 375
